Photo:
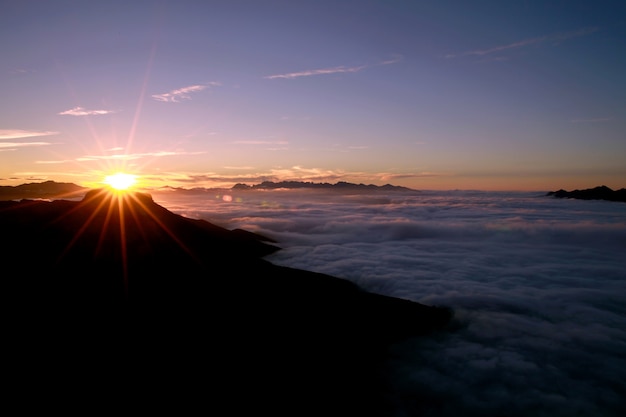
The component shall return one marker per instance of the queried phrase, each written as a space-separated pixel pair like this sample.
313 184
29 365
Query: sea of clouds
537 284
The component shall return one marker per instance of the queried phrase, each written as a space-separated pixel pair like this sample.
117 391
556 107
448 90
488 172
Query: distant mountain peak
341 185
601 192
46 189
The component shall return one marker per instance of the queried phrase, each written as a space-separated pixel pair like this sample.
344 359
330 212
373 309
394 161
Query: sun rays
117 222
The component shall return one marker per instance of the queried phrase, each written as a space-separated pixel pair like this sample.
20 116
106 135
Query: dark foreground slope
117 303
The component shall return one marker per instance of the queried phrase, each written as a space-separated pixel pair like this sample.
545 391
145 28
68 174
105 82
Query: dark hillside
126 300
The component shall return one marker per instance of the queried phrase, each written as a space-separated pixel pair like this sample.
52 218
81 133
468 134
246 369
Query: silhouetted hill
597 193
341 185
118 301
46 189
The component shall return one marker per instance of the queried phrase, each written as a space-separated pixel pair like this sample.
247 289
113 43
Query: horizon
253 187
429 96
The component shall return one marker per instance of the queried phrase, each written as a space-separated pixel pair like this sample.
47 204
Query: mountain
117 302
597 193
46 189
341 185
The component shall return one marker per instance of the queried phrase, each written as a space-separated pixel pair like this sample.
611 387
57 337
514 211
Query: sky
489 95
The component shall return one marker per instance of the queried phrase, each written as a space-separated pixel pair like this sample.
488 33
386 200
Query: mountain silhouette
601 192
135 305
46 189
339 186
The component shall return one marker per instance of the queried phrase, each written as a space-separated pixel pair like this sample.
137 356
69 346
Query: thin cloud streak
120 156
9 145
559 37
323 71
17 134
184 93
334 70
133 156
423 174
81 111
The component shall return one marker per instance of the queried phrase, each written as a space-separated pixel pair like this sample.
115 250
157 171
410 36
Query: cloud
481 52
13 145
334 70
17 134
121 156
184 93
81 111
243 168
422 174
554 38
22 71
394 60
62 161
133 156
323 71
536 283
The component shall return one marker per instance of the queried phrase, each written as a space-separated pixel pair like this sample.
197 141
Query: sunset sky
515 95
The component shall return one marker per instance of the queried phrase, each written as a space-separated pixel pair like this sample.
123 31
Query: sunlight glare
120 181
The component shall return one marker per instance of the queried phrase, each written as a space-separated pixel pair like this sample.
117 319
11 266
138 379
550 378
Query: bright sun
120 181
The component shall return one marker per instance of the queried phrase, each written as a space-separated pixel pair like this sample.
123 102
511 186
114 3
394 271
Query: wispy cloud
120 157
423 174
13 145
184 93
17 133
81 111
8 134
242 168
394 60
21 71
133 156
322 71
332 70
554 38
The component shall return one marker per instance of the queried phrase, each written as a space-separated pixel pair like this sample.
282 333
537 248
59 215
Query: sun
120 181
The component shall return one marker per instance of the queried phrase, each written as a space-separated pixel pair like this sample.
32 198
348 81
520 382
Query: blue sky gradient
426 94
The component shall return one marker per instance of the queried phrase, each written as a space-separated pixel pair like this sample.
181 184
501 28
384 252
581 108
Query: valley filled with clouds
538 286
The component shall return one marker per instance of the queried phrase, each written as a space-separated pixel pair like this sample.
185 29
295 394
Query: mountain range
117 301
341 185
52 189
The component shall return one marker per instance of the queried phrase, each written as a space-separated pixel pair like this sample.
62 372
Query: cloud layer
537 284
